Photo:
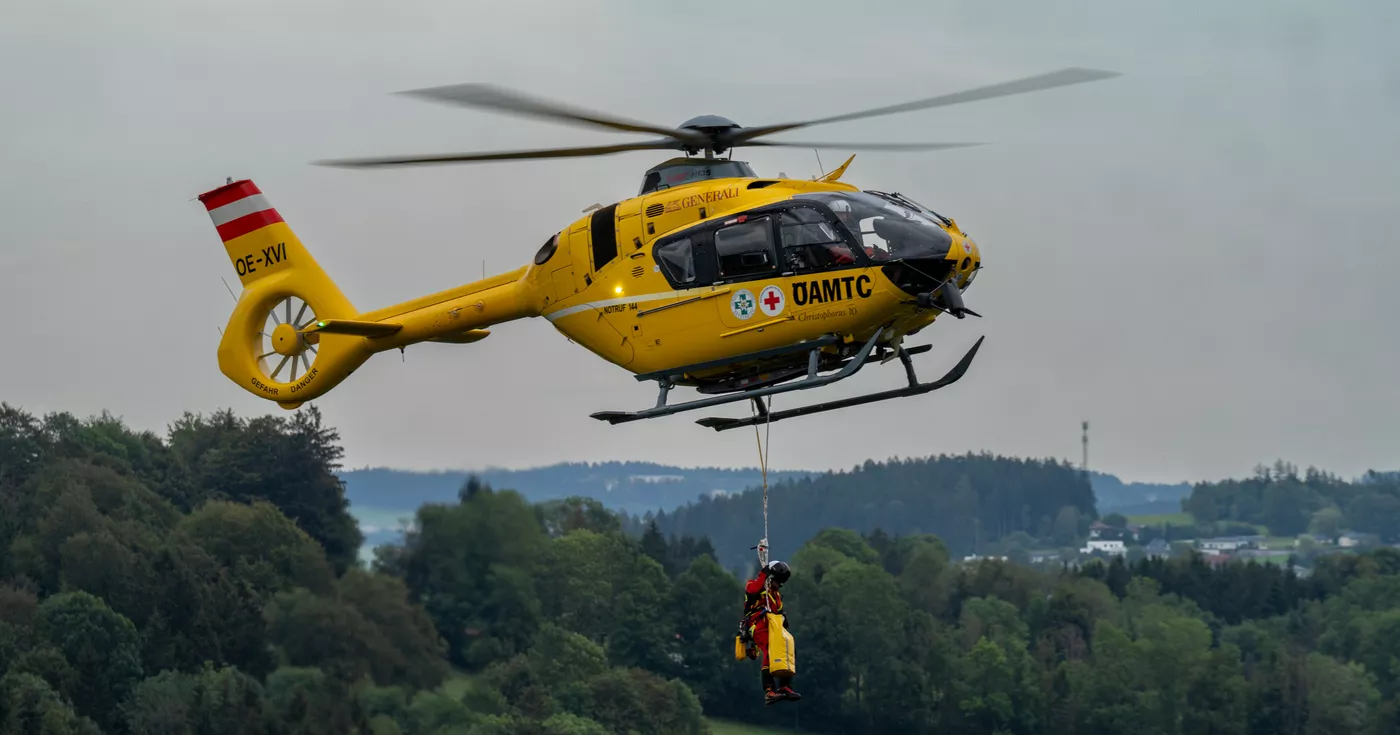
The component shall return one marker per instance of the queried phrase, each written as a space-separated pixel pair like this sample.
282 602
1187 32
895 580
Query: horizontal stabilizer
463 338
351 326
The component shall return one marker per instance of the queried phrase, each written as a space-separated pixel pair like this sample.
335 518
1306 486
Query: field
458 683
1176 519
729 727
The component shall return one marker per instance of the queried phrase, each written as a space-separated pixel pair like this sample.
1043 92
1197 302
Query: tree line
972 502
1290 503
206 581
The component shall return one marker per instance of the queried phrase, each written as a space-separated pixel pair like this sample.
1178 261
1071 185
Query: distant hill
633 487
1136 498
970 501
380 497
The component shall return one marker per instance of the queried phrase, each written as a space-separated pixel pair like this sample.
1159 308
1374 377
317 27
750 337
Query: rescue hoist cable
764 446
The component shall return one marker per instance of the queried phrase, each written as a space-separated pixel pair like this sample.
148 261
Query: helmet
845 213
779 571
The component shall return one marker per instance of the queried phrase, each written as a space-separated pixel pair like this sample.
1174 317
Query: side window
604 236
811 243
678 258
746 249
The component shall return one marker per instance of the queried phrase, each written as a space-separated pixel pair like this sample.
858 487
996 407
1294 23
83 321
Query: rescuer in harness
762 596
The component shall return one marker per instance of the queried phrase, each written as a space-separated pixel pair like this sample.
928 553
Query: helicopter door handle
683 302
759 326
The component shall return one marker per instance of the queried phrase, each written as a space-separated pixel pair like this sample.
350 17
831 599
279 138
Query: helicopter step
666 380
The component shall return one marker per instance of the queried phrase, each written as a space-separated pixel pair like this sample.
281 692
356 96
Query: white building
1227 543
1107 546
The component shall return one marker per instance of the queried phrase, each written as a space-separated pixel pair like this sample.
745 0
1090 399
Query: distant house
1158 549
1099 529
1107 546
1222 544
1135 530
1352 539
1317 538
1041 557
978 557
1219 559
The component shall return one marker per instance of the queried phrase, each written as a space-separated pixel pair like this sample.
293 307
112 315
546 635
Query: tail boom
327 336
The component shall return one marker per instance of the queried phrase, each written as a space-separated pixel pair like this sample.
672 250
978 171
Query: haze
1196 257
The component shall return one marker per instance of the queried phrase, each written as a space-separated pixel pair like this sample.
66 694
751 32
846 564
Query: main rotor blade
599 150
1061 78
861 146
491 97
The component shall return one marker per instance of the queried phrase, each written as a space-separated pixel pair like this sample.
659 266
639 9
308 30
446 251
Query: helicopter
712 277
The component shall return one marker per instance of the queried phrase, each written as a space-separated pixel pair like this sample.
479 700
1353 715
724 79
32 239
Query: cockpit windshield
887 230
898 198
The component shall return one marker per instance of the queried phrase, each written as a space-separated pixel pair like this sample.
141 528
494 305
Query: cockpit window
887 230
811 242
901 199
746 248
678 258
547 250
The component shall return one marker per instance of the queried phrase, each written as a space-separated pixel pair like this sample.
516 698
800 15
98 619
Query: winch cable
764 446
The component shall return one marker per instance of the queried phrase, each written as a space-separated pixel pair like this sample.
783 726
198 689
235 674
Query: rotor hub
716 130
286 341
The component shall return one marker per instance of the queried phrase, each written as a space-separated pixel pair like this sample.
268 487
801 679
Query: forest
1289 503
969 501
206 580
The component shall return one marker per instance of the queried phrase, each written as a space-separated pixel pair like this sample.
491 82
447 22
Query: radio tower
1086 448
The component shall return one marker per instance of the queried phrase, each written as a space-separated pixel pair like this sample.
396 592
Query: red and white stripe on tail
239 208
258 241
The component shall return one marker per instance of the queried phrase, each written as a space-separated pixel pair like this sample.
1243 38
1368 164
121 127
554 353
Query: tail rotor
286 352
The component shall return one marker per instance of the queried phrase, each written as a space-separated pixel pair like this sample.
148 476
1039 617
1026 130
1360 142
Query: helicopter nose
971 257
947 296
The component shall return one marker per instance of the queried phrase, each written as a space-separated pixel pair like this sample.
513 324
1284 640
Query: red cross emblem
771 300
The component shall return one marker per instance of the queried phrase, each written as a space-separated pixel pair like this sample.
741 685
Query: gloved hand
744 634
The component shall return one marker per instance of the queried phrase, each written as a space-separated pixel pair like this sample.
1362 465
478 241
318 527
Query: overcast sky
1197 257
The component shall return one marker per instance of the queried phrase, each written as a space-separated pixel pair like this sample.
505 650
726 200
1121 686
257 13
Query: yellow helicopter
712 277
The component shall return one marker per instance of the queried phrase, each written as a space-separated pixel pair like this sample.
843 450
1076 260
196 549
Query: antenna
820 167
235 303
1085 466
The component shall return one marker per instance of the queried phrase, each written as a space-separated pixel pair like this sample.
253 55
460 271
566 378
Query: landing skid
667 380
913 389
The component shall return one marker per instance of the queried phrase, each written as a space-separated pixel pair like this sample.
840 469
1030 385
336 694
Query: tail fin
294 336
264 348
